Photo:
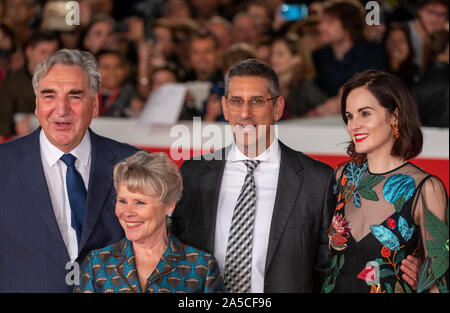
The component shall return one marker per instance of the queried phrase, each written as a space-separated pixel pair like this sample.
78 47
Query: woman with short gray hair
148 259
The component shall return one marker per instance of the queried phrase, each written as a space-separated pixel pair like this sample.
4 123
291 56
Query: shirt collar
270 155
52 154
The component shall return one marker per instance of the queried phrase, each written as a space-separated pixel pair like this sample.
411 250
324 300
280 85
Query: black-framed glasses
254 103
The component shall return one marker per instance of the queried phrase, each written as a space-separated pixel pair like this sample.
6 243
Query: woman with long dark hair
400 53
388 208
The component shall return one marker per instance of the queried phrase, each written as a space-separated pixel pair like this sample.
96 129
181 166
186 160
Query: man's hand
411 268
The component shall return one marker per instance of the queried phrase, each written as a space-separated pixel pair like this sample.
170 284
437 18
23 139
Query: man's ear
278 108
224 108
95 105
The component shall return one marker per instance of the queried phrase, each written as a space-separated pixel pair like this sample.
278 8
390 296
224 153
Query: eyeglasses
441 15
254 103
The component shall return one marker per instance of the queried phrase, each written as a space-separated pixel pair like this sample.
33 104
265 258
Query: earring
395 129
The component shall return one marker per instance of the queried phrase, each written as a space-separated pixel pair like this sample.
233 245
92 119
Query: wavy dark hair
392 94
351 14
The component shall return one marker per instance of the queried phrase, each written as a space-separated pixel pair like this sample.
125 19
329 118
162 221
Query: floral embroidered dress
378 221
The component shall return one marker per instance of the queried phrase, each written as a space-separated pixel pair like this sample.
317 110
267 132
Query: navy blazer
33 255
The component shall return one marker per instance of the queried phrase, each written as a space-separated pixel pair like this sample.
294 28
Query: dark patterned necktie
76 192
238 261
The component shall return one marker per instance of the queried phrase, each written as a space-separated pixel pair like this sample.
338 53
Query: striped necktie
238 261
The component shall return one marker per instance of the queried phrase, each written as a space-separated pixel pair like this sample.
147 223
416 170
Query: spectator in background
98 33
308 31
104 7
16 92
261 15
7 46
163 32
203 10
222 28
432 93
432 15
183 31
397 44
234 54
163 75
18 15
315 8
116 98
345 54
293 65
175 10
262 49
204 57
245 29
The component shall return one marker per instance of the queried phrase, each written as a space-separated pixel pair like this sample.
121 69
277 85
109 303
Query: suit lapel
289 185
100 185
31 174
209 192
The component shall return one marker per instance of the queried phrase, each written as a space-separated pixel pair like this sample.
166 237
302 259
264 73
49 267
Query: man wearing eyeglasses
432 15
260 207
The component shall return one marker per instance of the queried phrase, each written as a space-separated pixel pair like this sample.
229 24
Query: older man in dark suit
56 190
261 208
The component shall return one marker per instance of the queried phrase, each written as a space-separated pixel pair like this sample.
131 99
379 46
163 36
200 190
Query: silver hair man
83 59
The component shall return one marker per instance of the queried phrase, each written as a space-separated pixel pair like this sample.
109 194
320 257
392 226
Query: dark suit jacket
33 255
297 256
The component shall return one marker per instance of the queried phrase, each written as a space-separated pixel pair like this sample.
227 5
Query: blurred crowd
313 46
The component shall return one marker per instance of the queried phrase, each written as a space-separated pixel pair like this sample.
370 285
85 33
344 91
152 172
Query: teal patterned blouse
182 268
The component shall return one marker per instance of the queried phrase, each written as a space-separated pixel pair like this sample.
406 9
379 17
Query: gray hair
143 170
254 68
85 60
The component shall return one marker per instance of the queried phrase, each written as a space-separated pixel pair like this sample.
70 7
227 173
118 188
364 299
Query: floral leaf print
338 233
426 278
367 274
396 186
436 228
398 288
365 188
399 257
398 205
370 181
437 248
356 200
386 273
368 194
386 237
355 173
404 229
388 288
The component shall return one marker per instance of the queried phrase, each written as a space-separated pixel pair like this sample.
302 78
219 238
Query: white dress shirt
55 175
266 180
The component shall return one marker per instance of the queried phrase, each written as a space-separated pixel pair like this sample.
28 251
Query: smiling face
65 106
112 71
246 120
397 45
281 58
369 124
433 16
141 215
